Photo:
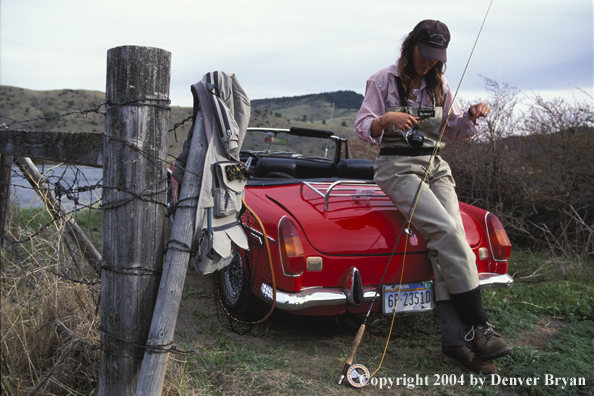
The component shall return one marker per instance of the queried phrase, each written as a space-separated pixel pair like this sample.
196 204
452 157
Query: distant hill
344 100
43 110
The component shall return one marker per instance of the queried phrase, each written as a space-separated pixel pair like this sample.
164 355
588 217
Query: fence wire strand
50 295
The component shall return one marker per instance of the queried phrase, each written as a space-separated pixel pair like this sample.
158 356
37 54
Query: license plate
408 297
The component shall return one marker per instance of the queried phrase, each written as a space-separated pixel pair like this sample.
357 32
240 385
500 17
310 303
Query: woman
403 112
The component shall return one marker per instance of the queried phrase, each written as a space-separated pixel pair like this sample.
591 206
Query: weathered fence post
154 365
5 173
59 213
137 93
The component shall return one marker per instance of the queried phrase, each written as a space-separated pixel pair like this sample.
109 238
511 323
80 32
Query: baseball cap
433 38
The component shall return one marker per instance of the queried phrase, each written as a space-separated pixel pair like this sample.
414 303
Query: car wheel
233 284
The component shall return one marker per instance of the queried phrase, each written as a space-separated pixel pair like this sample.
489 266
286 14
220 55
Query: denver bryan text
548 380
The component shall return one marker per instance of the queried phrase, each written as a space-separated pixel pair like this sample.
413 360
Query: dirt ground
316 347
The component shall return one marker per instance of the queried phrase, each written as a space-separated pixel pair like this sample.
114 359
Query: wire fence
50 288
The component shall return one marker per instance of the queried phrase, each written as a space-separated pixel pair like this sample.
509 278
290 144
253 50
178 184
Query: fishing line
394 313
408 219
497 113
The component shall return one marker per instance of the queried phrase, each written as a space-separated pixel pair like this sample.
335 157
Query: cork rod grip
355 345
352 351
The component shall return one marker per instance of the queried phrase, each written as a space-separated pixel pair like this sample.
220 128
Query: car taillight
500 244
291 250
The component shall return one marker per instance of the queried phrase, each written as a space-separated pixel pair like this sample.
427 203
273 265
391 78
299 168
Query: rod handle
355 346
352 351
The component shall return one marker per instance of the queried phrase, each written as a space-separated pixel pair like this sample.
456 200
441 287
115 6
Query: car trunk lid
355 220
362 223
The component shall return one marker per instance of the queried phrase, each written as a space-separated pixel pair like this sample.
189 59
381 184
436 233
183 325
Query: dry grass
49 323
49 313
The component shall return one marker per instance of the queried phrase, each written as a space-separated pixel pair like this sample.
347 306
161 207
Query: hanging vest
429 124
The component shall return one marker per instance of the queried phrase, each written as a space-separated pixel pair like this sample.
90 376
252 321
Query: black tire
233 283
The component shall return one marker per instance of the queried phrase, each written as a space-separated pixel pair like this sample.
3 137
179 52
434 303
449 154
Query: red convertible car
331 232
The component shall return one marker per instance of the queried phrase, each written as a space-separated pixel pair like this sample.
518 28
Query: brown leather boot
489 344
464 358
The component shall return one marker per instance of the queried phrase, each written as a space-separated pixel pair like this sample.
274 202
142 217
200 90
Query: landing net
245 290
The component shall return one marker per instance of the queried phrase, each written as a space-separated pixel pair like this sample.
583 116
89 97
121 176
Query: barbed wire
179 124
109 105
71 193
52 117
69 184
153 348
96 110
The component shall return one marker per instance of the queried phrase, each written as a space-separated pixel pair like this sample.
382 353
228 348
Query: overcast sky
285 48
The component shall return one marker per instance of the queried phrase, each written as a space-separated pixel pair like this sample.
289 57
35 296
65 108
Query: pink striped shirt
381 93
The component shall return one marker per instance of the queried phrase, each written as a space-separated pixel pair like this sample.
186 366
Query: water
77 185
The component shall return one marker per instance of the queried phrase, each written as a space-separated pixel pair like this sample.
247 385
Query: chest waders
400 170
429 126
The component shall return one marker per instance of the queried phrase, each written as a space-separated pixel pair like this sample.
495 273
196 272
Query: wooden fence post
137 93
72 230
5 176
154 365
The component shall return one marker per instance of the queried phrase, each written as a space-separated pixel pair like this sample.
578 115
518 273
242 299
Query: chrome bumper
317 297
325 296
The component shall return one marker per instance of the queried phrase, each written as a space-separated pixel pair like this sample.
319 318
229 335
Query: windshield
280 143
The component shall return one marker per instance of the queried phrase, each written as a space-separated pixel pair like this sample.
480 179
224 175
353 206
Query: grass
549 321
49 328
568 357
49 336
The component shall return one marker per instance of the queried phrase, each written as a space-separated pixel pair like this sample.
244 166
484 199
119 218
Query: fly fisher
408 108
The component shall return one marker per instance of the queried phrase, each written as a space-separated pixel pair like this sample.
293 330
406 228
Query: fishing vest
429 123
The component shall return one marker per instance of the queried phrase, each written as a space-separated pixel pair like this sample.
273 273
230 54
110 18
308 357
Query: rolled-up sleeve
373 106
381 92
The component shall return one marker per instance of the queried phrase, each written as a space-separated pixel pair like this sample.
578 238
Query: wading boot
464 358
488 343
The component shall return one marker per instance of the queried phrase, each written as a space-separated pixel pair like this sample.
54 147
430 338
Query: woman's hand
478 110
401 121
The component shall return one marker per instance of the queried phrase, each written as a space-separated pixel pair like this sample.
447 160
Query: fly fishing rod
407 221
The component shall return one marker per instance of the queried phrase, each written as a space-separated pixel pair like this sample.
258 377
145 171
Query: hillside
42 110
314 108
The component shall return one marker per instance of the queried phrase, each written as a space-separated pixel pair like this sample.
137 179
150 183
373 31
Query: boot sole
446 359
500 353
450 360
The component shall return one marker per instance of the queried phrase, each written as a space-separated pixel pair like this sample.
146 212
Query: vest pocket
229 181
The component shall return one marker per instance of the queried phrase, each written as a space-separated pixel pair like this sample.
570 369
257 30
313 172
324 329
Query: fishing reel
413 137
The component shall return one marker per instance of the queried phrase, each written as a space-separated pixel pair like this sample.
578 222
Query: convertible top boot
489 344
466 359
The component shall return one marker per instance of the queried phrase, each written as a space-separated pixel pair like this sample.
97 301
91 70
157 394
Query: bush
532 169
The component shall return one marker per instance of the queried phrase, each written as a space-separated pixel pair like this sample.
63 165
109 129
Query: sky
280 48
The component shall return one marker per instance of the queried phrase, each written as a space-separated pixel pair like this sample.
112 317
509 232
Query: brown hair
406 69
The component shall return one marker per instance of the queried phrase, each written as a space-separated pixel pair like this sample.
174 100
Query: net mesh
245 290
